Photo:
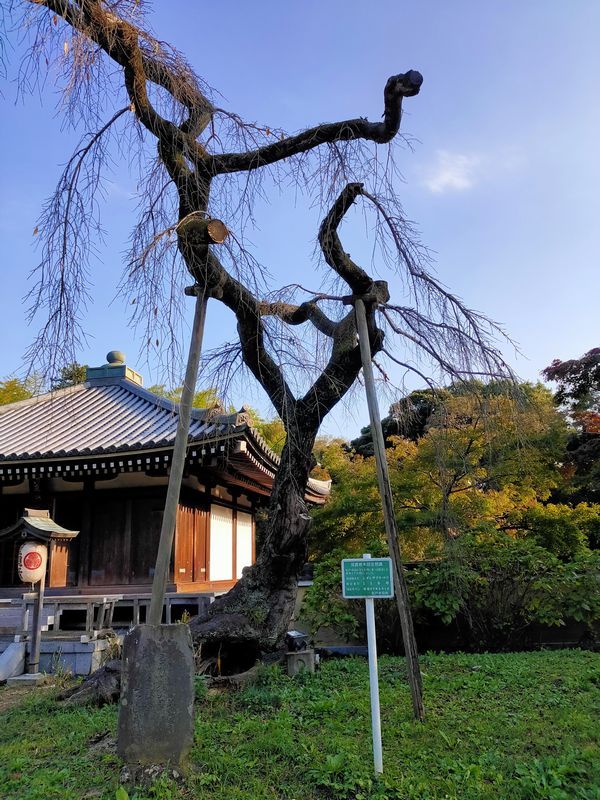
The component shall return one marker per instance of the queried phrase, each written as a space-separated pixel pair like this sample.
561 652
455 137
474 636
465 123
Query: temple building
96 455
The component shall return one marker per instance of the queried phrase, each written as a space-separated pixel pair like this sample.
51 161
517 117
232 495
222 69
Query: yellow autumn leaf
66 48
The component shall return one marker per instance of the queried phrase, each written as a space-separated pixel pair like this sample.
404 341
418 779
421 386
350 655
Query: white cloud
458 172
453 172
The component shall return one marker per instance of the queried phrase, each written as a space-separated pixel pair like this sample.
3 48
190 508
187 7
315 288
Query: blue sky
502 180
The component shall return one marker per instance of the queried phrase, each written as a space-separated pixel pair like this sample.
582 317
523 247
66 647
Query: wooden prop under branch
204 230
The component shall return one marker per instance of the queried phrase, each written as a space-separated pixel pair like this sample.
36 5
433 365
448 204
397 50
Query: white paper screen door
221 543
244 542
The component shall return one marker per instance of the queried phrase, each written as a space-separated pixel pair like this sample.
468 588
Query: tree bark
256 612
101 687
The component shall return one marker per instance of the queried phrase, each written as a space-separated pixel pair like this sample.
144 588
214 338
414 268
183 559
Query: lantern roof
37 524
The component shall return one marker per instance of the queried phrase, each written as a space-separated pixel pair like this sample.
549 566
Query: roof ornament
114 370
115 357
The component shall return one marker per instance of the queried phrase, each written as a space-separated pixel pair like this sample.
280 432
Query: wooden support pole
391 530
167 531
33 663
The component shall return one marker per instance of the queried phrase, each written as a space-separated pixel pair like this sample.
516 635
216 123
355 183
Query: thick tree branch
120 41
398 86
217 282
298 314
339 374
356 278
345 361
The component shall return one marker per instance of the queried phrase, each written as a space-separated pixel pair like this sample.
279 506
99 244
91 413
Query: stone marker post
156 713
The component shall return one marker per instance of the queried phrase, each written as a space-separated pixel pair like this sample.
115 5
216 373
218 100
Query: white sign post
369 578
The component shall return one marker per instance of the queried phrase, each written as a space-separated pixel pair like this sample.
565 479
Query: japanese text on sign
368 577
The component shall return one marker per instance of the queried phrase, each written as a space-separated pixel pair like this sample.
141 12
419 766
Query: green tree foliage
70 375
485 462
203 398
475 480
578 392
492 591
578 381
272 430
323 605
498 587
564 530
14 389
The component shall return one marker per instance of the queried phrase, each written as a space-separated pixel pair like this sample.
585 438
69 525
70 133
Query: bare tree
198 161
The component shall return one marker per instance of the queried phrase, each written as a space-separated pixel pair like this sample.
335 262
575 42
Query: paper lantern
32 561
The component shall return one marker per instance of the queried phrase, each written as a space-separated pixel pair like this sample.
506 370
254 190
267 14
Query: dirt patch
12 696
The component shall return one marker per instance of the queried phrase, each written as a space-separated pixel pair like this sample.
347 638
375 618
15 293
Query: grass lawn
521 725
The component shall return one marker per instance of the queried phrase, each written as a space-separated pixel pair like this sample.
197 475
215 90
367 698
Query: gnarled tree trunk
253 617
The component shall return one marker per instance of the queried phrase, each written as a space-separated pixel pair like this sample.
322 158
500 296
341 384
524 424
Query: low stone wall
68 654
77 657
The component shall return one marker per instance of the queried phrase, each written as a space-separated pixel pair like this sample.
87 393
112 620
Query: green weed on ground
522 726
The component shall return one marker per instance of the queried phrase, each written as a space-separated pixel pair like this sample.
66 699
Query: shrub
499 587
324 605
492 590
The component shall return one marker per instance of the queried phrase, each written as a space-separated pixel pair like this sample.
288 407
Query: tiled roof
98 418
117 415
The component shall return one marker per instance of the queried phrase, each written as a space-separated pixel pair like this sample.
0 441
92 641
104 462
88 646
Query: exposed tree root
238 681
101 687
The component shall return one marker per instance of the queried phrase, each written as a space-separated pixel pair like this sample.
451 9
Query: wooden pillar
85 535
33 665
209 484
234 497
201 521
127 526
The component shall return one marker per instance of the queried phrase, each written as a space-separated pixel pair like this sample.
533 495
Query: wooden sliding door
191 556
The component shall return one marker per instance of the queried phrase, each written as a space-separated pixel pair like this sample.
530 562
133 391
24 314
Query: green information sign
367 577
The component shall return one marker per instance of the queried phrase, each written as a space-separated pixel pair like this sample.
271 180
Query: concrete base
75 654
300 660
156 713
27 679
12 661
76 657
